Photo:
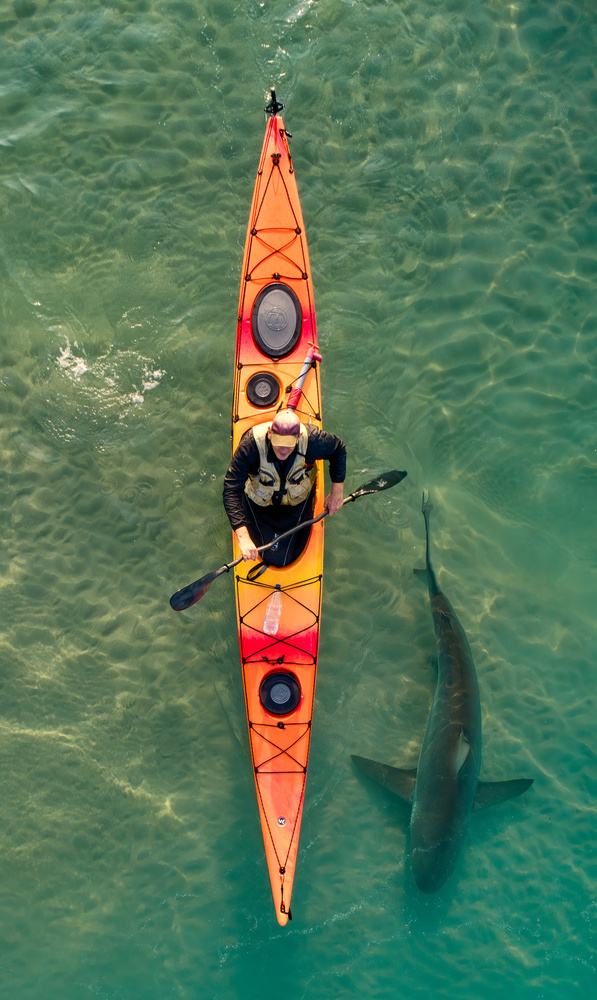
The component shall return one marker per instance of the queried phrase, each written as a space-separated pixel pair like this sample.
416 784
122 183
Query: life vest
300 479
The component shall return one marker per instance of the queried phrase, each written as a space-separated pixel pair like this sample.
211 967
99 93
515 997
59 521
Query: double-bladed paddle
184 598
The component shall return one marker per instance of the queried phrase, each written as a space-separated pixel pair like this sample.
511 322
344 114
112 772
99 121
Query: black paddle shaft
188 596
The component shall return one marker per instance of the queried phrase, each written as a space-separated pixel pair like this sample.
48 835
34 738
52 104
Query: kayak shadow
229 691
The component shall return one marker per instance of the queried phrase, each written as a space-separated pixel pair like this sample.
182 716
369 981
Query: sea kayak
278 613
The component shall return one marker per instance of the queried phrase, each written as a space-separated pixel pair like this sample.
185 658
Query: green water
447 163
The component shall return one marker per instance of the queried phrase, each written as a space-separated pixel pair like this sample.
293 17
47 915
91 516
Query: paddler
270 484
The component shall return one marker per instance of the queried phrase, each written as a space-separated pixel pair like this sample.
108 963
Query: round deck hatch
263 389
280 693
276 320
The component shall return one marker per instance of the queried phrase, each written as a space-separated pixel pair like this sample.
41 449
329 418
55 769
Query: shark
444 788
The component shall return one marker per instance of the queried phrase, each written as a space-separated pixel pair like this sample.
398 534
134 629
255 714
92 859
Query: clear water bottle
273 612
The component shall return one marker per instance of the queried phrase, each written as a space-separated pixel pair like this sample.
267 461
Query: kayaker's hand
333 501
246 544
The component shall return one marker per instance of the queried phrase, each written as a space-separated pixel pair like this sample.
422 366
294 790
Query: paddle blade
383 482
188 596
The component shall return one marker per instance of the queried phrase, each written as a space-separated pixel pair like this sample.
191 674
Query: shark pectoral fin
421 575
490 793
396 779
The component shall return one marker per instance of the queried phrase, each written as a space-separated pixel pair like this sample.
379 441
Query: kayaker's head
284 433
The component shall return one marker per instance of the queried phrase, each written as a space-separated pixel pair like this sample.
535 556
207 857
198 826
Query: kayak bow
278 614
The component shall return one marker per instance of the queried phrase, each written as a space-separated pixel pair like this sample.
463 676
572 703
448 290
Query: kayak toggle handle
273 107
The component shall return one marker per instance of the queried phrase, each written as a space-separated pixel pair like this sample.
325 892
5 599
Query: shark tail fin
491 793
396 779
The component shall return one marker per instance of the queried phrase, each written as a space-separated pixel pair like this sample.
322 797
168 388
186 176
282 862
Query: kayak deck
276 327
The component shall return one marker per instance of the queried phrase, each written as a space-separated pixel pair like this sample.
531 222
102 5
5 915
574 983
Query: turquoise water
447 164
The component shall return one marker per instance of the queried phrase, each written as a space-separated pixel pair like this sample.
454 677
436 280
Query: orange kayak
279 612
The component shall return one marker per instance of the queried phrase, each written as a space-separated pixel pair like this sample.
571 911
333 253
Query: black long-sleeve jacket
245 462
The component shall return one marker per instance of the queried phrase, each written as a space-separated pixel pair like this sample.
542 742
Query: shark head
436 836
432 864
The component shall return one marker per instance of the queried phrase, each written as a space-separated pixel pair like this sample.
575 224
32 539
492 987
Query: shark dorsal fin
396 779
